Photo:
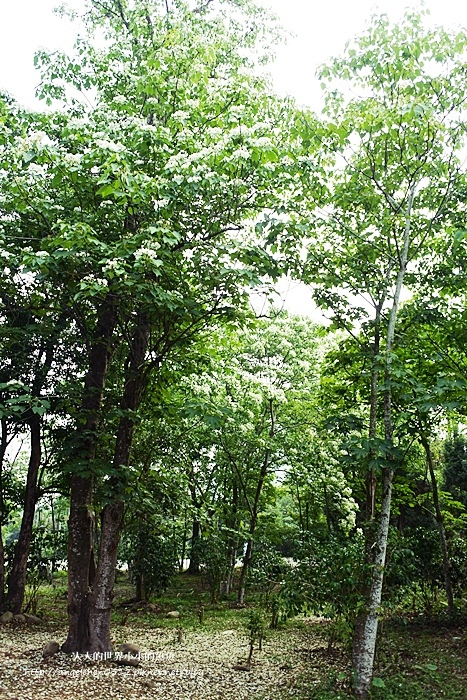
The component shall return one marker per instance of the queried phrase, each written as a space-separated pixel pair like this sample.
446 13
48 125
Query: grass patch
422 659
418 658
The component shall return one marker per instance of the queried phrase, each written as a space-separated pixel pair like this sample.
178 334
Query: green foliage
415 565
151 560
312 585
455 467
256 628
268 567
212 553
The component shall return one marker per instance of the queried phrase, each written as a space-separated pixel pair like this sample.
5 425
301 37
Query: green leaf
378 683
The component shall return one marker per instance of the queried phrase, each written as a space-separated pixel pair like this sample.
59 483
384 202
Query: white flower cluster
72 158
89 279
148 253
107 145
37 141
240 153
181 116
160 203
76 122
113 265
36 170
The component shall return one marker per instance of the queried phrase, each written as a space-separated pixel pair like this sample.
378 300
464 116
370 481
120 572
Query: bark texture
3 446
80 524
364 642
102 593
254 509
17 578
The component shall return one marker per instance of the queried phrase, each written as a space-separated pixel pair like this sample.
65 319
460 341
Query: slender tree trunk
80 523
194 567
254 513
184 541
329 525
367 626
3 446
139 587
371 475
440 523
17 578
246 562
2 570
364 643
232 519
299 503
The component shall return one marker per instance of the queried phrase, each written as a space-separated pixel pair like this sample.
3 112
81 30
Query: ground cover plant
418 657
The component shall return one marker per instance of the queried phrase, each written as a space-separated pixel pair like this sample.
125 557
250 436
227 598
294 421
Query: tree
135 211
393 189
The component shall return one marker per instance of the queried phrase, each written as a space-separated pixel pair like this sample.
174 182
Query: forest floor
418 658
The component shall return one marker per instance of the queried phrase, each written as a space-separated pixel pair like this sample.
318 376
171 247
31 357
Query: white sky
320 30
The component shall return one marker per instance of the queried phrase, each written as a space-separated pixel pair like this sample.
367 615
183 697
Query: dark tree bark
194 567
3 446
2 571
254 512
89 626
184 542
100 602
17 578
232 520
440 524
112 516
80 524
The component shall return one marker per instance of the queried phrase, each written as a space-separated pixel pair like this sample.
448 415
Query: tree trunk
100 600
101 596
3 446
2 570
232 520
364 643
371 475
367 625
80 553
254 518
17 578
184 541
194 567
440 523
246 563
80 524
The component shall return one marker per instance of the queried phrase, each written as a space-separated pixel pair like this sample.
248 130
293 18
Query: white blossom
241 152
109 145
73 158
112 265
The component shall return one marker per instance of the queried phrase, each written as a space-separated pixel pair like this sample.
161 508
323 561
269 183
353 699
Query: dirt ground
199 667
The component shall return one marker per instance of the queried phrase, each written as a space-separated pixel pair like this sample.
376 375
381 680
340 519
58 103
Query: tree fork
100 599
80 524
